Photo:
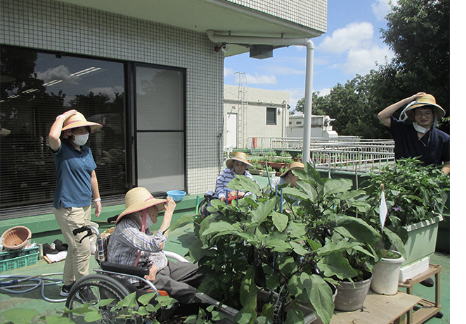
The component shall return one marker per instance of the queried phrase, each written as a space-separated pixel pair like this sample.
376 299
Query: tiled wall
57 26
309 13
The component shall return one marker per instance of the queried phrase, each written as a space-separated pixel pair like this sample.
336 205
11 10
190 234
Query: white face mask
80 140
149 222
419 128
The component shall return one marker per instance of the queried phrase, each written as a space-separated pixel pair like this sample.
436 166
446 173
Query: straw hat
138 199
425 101
293 166
78 120
239 156
4 131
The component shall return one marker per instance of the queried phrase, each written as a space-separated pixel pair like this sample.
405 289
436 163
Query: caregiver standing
76 189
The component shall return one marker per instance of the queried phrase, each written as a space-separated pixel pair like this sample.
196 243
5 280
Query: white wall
258 100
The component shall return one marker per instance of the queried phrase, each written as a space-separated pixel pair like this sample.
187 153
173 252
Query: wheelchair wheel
91 290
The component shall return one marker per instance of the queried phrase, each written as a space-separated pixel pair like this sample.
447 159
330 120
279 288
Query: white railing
343 153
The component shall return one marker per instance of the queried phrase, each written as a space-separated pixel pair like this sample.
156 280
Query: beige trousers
77 257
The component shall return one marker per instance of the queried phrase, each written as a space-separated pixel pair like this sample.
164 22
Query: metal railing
345 153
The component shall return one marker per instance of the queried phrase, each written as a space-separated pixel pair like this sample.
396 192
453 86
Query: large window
35 88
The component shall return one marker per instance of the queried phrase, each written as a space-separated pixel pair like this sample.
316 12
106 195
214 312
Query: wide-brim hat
425 101
4 131
138 199
78 120
293 166
239 156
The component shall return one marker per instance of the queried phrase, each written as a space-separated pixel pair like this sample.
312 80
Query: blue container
177 195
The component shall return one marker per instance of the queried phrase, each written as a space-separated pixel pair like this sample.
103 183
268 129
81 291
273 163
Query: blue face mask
80 140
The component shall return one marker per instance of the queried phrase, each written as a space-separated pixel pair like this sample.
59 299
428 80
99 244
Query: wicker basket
16 237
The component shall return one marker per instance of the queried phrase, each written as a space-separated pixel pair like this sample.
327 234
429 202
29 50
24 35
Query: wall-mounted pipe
279 41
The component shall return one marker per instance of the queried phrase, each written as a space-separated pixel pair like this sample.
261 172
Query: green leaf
263 210
219 227
248 286
336 265
128 301
19 315
359 229
105 302
298 248
280 221
92 316
145 299
241 182
321 297
333 186
294 316
396 241
185 219
55 319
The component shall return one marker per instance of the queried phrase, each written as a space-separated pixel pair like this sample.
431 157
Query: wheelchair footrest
115 267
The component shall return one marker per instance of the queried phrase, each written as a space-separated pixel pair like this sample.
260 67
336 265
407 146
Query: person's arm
221 184
96 194
167 217
446 167
384 115
55 130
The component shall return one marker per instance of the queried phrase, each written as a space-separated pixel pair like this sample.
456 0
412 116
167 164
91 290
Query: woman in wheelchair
133 244
237 165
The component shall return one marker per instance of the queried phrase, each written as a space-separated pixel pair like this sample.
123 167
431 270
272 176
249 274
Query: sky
351 46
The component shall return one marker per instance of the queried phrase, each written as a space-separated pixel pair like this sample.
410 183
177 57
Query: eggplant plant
264 243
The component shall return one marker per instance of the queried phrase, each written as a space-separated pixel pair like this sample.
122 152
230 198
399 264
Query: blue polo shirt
432 148
74 169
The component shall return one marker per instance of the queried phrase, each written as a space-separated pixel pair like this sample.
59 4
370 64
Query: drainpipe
252 40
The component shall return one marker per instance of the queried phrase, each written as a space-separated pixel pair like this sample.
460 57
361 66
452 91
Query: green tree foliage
419 34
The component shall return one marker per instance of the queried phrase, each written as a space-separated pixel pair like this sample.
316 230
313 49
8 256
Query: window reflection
35 88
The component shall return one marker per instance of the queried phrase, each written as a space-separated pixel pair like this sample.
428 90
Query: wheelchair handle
83 229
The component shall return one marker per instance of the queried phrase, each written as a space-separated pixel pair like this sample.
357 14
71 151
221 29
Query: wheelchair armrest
115 267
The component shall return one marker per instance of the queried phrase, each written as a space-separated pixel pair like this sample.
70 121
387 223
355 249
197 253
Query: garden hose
40 281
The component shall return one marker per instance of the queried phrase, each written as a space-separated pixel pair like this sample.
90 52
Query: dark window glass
35 88
271 116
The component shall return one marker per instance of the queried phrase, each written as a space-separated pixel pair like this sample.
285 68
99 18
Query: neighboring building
320 127
146 69
251 113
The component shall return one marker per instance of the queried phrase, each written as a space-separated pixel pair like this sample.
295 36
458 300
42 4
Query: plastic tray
10 260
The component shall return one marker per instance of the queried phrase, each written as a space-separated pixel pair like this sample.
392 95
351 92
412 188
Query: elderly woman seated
237 165
132 243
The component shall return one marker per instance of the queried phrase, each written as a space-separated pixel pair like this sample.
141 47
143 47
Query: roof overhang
203 15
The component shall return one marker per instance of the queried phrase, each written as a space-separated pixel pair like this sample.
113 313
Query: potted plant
254 248
415 197
386 273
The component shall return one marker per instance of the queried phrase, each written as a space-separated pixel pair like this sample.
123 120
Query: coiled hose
21 282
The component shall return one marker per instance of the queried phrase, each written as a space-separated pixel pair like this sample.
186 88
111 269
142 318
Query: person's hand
240 194
69 113
417 96
98 208
224 199
232 194
170 204
152 273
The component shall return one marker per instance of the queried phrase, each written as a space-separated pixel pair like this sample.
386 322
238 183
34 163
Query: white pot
385 275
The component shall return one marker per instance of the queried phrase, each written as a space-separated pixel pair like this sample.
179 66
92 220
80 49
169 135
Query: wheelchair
111 281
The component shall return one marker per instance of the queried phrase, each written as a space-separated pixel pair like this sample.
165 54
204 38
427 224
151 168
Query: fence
345 153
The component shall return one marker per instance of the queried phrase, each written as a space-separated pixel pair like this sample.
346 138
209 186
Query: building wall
257 101
57 26
309 13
